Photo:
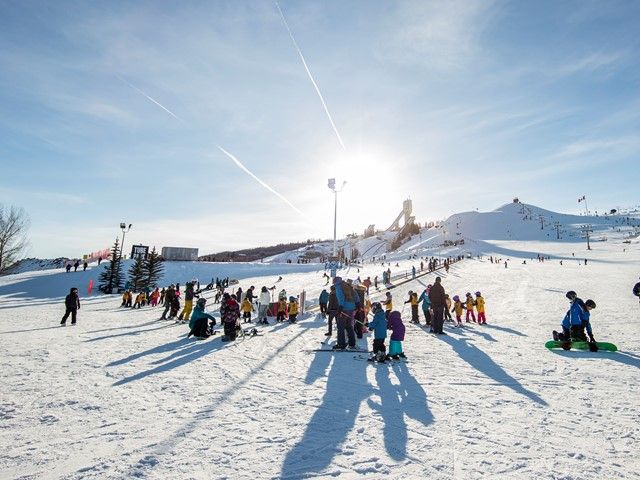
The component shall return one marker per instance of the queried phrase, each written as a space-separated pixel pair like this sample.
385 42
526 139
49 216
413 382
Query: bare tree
14 223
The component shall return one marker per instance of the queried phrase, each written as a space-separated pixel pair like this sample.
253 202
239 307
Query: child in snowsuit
447 304
388 304
469 304
229 313
282 310
457 307
397 335
323 300
199 323
293 309
379 327
480 307
155 295
413 300
246 308
126 299
426 304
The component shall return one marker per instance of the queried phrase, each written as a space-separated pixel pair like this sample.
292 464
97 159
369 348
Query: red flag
90 286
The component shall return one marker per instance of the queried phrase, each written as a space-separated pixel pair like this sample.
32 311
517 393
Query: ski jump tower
407 208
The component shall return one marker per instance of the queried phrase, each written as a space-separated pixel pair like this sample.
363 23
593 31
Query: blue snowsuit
576 320
379 327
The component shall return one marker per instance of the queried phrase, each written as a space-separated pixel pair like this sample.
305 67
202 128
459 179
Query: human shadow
30 329
406 399
483 363
492 326
127 334
192 350
124 327
487 336
332 421
620 357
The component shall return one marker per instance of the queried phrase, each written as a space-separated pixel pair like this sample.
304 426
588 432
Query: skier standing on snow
379 327
457 308
426 304
323 300
332 309
469 304
447 305
388 304
438 302
397 335
168 299
72 305
480 307
348 301
263 305
229 314
413 300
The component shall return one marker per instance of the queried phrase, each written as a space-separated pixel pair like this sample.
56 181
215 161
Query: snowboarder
72 305
426 304
396 326
576 320
199 323
379 327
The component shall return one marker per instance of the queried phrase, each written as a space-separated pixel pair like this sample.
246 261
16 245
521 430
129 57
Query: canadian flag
582 199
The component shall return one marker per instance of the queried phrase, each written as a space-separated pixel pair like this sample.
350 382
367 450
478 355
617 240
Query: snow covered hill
124 395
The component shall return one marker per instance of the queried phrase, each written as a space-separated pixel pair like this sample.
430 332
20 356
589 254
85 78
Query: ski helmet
456 298
478 294
571 295
590 303
376 307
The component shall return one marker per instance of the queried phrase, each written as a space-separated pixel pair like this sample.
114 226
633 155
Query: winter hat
201 301
571 295
456 298
438 279
337 280
478 294
395 316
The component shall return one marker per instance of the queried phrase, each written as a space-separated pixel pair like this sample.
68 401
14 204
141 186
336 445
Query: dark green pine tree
136 274
153 269
110 280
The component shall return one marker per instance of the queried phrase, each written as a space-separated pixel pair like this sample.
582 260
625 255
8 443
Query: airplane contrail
246 170
315 85
157 103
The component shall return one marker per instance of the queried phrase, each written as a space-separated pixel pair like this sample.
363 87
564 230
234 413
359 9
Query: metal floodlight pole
332 185
124 228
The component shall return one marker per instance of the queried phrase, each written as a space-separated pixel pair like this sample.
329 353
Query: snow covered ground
123 395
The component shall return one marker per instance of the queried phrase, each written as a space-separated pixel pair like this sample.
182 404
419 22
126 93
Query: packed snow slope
124 395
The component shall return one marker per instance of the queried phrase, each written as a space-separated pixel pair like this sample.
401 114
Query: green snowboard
607 347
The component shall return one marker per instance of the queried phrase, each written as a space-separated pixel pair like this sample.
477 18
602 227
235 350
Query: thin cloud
315 85
154 101
252 175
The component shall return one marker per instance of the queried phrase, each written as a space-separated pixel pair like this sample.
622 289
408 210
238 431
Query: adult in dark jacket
636 290
72 305
348 301
168 299
332 309
438 304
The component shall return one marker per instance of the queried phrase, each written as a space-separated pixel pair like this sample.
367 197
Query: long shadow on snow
406 399
125 334
492 326
170 443
347 387
31 329
621 357
483 362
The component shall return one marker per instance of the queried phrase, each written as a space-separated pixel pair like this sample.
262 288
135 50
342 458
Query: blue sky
458 105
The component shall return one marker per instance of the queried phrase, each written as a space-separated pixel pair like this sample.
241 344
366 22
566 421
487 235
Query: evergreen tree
111 277
136 274
153 269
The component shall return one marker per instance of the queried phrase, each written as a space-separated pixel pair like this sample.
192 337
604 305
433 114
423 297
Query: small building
180 253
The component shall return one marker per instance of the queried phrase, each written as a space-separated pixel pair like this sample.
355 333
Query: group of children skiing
458 306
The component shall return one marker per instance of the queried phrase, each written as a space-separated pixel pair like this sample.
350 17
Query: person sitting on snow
576 320
199 323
